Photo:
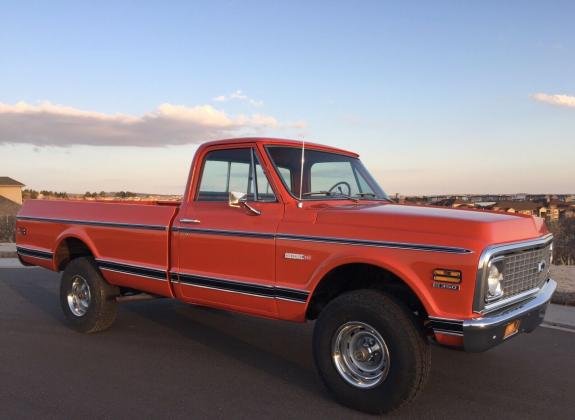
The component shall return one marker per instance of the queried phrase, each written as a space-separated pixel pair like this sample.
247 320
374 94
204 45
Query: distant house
455 203
11 189
522 207
560 209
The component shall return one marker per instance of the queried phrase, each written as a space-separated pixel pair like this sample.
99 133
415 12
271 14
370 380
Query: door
226 255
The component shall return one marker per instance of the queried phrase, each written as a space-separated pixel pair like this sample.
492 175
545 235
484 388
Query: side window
285 173
264 190
232 170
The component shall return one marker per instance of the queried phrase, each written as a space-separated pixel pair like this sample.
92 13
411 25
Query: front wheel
369 352
88 301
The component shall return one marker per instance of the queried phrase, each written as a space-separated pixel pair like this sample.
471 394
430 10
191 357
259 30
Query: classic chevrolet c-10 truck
293 231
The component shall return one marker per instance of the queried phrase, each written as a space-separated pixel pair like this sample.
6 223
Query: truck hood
391 219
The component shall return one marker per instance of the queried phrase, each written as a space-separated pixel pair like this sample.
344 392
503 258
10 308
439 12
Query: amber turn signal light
448 276
511 329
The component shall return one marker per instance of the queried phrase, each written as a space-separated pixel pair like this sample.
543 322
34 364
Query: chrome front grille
526 270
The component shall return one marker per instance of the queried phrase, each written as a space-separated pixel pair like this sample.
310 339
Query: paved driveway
166 359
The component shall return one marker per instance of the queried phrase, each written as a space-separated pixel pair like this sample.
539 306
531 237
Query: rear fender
73 232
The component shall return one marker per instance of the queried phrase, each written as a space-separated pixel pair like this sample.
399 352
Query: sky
437 97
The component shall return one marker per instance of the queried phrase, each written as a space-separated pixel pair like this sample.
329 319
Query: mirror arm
252 209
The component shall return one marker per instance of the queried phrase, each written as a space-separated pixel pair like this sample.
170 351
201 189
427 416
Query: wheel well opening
69 249
362 276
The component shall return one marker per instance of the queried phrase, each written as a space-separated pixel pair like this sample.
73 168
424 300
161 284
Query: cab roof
270 141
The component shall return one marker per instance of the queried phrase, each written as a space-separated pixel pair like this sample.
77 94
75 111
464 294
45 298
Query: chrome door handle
196 221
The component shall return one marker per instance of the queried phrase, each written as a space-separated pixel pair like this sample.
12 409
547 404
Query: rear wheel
369 351
88 301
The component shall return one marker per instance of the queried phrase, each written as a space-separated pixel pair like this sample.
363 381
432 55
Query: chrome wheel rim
360 354
79 296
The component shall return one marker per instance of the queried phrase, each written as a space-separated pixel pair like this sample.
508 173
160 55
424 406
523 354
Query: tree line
33 194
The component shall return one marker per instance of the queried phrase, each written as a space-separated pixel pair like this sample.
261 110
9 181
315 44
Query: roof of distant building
6 181
453 202
518 205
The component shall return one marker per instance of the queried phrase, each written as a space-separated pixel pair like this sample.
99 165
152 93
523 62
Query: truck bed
49 231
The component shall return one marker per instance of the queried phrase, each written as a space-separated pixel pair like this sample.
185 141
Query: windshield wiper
370 194
331 194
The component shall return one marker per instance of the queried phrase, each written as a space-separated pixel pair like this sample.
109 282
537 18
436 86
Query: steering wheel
337 184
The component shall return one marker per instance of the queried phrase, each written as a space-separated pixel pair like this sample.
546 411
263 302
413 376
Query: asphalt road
170 360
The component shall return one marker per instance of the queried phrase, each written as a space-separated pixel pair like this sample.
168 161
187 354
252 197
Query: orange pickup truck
300 232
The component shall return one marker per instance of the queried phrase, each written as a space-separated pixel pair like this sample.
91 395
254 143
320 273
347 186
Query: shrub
564 241
7 228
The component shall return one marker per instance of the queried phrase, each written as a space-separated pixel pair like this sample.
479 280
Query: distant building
484 204
560 209
455 203
11 189
522 207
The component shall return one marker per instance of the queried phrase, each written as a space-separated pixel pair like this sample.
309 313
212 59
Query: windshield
325 175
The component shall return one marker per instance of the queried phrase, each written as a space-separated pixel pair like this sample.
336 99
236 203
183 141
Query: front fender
403 272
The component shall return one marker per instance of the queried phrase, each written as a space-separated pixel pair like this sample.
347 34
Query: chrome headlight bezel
494 279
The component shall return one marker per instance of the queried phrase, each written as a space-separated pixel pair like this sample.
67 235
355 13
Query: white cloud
45 124
557 100
239 95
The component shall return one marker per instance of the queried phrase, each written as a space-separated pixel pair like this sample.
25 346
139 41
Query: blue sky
437 97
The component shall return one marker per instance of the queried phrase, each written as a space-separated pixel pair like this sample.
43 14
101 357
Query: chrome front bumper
480 334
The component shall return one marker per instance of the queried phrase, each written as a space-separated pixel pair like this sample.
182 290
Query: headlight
494 279
551 252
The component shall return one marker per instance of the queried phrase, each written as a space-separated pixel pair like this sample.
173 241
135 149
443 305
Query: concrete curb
560 316
11 263
7 250
7 246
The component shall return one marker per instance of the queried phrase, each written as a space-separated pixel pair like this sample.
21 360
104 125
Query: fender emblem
299 257
448 286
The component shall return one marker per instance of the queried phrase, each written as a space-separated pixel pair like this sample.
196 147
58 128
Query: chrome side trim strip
377 244
261 235
488 253
447 332
326 239
253 289
151 273
226 290
232 286
94 223
444 325
222 232
35 253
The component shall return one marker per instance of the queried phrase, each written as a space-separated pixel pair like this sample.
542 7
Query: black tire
409 357
100 311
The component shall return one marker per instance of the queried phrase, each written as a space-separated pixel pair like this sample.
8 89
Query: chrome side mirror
235 198
240 199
